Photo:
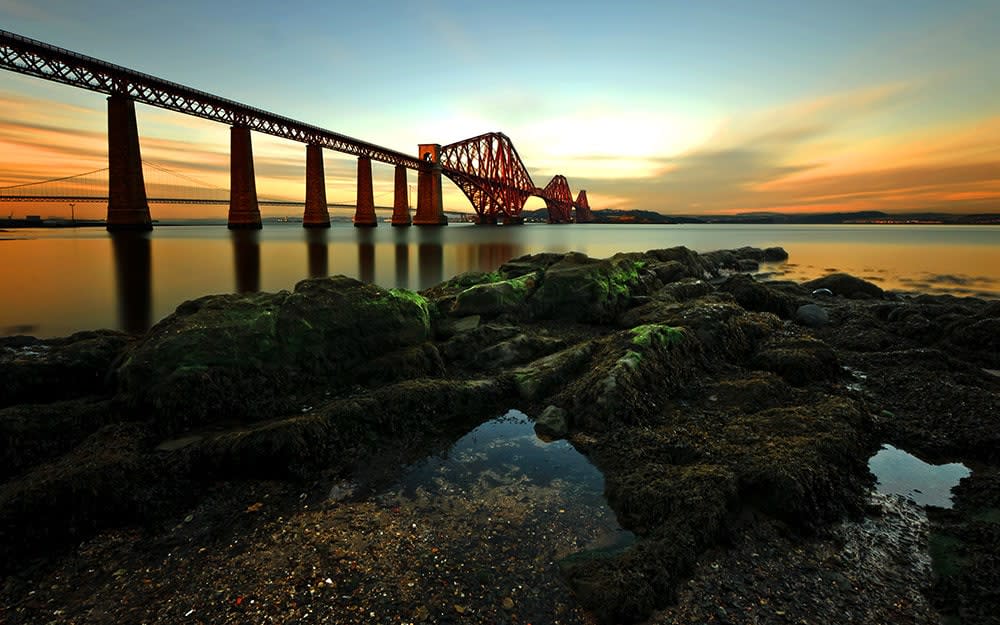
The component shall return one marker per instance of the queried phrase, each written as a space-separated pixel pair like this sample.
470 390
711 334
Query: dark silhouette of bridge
487 168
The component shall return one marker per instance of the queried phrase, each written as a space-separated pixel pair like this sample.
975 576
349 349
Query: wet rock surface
188 475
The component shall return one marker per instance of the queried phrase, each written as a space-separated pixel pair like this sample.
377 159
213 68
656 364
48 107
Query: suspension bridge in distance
487 168
92 187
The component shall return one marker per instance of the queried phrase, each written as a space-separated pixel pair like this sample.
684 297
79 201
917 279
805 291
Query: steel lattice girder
582 207
35 58
558 199
490 172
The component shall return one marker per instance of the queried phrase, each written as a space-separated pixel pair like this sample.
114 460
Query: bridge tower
430 207
128 208
244 211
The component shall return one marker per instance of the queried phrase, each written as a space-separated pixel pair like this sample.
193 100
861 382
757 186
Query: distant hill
609 216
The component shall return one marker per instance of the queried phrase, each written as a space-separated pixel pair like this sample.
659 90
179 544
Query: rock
104 482
580 288
245 357
447 327
528 264
493 298
554 371
696 265
507 603
846 285
822 293
34 433
38 371
812 316
747 264
775 254
551 424
670 271
465 324
798 360
519 349
758 296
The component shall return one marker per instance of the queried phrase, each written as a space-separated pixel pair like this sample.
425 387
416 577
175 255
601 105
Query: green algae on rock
245 357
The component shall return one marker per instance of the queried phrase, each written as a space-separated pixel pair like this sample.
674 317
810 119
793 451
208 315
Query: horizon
785 109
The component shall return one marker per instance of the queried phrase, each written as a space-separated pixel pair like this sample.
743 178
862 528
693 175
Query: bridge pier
317 214
430 209
244 212
128 208
364 214
401 202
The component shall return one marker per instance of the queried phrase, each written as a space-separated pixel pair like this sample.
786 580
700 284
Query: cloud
775 159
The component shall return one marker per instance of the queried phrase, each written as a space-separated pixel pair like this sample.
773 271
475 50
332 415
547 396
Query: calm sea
54 282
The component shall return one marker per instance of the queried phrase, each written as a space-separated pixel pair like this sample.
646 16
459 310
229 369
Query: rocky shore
205 471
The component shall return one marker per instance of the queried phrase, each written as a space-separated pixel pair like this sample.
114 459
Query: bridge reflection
318 252
246 260
412 259
133 260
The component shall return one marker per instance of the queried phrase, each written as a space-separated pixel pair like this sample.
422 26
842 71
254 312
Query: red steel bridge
487 168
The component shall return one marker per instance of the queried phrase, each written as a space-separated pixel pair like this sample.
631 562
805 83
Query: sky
672 106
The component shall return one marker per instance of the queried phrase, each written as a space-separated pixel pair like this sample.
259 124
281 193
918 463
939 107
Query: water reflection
366 255
246 259
903 474
318 252
402 257
504 461
430 256
133 260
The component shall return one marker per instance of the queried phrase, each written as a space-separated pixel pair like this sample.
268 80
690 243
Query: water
54 282
903 474
503 464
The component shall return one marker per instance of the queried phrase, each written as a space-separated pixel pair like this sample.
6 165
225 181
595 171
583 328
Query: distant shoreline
618 217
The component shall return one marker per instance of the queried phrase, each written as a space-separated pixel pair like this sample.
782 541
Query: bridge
163 186
486 168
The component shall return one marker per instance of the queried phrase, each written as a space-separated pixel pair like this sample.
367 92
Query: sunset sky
677 107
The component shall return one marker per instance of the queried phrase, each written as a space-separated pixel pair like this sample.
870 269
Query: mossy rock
696 496
531 263
580 288
553 372
493 298
246 357
805 465
633 372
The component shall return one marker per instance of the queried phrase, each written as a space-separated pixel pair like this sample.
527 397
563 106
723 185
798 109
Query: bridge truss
487 168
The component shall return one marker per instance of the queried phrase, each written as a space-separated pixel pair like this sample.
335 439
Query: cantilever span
486 168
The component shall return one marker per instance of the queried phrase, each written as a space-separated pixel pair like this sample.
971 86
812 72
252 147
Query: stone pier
244 212
401 200
128 208
364 215
317 214
430 210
